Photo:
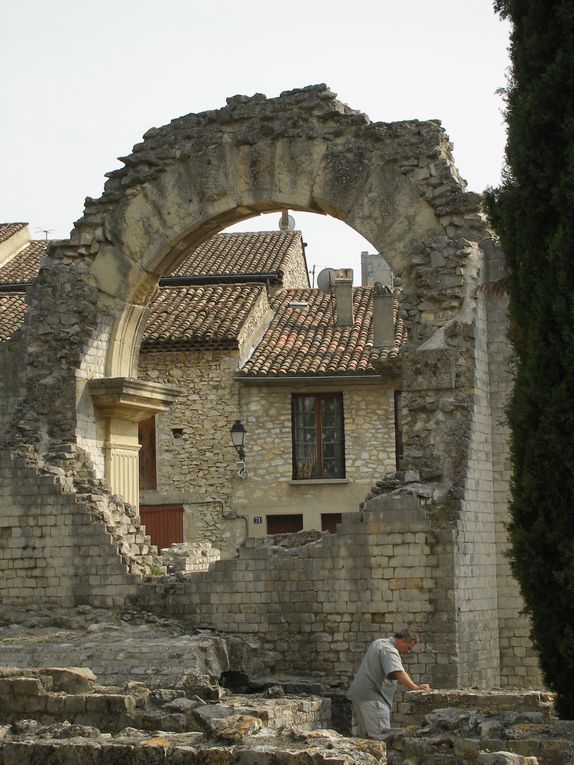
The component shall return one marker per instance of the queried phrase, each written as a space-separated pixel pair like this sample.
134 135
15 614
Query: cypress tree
533 212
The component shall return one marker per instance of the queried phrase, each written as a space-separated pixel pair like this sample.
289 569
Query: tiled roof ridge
23 265
311 343
9 229
235 252
199 316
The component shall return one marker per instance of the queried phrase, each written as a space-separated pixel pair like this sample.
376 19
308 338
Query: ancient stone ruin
427 548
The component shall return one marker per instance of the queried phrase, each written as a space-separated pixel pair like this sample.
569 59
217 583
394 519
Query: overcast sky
81 82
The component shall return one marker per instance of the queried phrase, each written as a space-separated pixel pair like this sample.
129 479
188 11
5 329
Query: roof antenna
46 231
286 221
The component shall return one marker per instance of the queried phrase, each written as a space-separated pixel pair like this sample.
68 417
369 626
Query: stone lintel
124 398
432 369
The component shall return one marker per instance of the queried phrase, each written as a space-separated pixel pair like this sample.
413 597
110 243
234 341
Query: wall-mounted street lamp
237 439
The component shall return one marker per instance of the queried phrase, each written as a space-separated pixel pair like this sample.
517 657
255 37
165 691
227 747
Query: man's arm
406 680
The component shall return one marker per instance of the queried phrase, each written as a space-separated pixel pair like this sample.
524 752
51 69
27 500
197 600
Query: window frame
292 523
319 459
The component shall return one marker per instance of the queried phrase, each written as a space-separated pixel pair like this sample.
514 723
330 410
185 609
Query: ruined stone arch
396 184
203 172
393 183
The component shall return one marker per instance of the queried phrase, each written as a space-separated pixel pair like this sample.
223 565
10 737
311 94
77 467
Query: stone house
204 324
238 330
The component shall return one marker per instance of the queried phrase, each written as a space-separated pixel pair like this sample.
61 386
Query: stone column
120 403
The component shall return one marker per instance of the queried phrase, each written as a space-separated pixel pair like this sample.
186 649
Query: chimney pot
344 295
383 317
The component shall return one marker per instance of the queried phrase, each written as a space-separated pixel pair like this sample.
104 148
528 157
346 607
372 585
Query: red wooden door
329 522
163 523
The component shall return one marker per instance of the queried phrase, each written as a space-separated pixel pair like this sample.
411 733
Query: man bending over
373 687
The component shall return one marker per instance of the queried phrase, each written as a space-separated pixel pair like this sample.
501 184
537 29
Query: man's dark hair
406 635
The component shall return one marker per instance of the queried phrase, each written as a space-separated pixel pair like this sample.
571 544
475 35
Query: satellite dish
286 222
326 280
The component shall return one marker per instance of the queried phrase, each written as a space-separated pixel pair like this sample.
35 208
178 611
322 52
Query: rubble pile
145 690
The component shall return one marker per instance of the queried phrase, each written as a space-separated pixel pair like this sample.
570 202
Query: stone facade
197 469
369 429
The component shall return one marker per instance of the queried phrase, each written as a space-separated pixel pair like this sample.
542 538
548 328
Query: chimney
383 321
344 295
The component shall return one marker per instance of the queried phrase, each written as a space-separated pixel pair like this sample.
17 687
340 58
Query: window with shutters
318 436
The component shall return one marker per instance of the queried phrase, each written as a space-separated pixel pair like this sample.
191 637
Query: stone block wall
12 379
26 698
315 607
518 662
475 554
54 548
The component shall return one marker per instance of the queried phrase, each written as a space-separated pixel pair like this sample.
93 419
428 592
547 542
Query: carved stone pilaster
120 403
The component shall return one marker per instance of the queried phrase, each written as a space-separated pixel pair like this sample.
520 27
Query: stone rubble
157 695
188 557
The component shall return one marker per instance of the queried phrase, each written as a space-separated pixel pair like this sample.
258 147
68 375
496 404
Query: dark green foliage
533 212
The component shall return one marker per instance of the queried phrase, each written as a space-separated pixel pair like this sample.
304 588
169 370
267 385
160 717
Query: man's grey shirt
372 682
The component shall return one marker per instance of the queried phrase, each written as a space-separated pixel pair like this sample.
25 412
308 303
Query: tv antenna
45 231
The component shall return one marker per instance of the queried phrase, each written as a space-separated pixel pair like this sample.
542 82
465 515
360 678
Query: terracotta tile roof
12 310
24 266
308 343
199 317
257 252
9 229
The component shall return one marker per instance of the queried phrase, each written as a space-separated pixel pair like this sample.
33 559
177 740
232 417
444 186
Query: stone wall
56 548
295 272
197 469
70 696
314 607
518 663
475 551
12 379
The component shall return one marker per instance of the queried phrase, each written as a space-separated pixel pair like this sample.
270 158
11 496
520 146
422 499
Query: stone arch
210 178
394 183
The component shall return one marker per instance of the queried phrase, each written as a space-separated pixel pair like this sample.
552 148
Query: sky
82 81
